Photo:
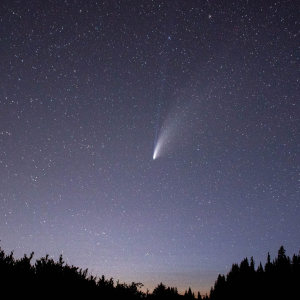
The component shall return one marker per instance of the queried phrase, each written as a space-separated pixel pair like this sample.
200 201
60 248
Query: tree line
279 279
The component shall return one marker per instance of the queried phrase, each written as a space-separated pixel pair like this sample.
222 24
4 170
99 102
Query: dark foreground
46 279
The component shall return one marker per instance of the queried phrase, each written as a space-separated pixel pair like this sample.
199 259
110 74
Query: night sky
91 92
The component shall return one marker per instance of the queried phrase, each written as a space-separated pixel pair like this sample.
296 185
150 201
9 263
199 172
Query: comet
174 128
166 138
156 150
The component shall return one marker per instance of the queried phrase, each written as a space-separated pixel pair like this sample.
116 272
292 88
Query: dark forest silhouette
279 279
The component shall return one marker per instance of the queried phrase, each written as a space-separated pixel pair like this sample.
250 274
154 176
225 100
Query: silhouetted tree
162 292
189 294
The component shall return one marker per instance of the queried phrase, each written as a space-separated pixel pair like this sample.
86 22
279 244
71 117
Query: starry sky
90 91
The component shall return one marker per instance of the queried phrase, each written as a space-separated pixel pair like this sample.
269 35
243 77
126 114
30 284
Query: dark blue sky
88 88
